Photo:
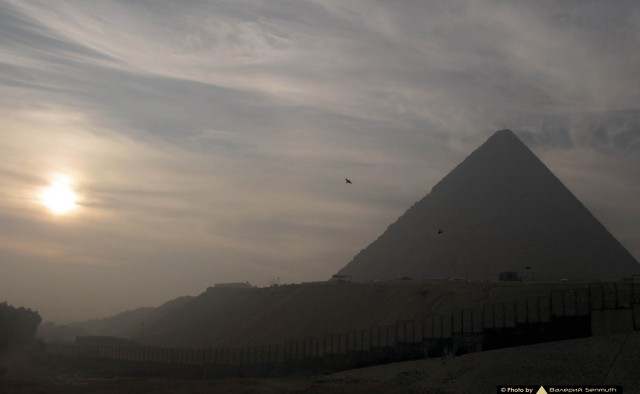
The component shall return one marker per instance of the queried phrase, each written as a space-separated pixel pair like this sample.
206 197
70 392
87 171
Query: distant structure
103 340
234 285
508 276
504 211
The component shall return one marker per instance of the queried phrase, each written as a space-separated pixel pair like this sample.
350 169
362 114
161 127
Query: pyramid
501 210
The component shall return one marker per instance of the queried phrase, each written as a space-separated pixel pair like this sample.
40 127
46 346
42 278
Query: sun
59 197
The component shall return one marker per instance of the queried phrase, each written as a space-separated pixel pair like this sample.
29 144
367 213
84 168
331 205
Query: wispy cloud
209 140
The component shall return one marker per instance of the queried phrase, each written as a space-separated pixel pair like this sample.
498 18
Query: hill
121 325
263 316
124 325
130 323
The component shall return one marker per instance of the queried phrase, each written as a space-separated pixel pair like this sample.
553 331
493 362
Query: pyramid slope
500 210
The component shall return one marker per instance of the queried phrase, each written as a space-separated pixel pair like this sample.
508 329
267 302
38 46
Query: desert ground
604 360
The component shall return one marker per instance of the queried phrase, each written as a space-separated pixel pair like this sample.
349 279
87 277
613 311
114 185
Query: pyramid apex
505 139
504 132
504 136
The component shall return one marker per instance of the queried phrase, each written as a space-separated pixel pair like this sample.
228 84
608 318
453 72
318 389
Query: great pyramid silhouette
500 210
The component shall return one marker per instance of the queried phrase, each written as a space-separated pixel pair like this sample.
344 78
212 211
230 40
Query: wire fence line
563 314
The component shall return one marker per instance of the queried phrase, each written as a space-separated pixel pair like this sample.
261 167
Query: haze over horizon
196 142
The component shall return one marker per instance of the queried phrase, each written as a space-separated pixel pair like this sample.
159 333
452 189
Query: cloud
209 140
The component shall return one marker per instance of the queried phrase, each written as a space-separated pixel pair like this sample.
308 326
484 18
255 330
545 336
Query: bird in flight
347 180
440 231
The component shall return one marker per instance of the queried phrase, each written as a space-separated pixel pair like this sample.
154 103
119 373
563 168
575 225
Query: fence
597 309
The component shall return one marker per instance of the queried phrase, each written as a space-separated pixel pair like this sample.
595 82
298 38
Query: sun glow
59 198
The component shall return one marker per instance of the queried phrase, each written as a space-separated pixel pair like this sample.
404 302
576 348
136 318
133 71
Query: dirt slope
610 360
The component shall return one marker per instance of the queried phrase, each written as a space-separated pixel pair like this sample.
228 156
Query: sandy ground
607 360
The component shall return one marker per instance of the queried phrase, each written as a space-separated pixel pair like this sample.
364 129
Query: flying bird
440 231
347 180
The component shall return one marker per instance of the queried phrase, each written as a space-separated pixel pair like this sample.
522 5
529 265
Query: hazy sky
208 141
